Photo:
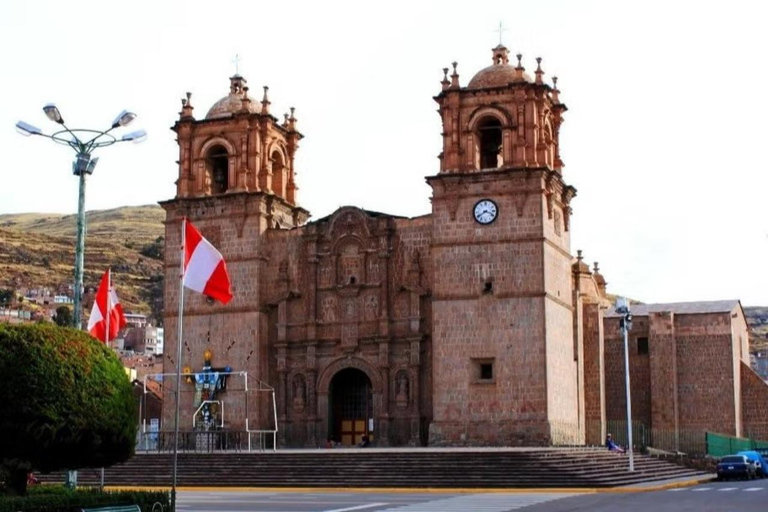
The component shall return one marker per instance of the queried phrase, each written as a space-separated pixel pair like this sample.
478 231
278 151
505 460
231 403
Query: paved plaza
712 496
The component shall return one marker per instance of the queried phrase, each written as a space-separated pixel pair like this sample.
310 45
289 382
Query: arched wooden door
350 407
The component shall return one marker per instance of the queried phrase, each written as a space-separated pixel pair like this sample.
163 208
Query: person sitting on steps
612 446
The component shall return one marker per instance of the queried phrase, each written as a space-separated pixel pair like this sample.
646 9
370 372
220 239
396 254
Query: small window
642 346
483 371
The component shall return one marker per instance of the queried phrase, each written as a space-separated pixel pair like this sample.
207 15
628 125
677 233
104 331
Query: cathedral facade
466 326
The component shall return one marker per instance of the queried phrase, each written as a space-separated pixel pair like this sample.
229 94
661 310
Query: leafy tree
6 296
67 403
63 316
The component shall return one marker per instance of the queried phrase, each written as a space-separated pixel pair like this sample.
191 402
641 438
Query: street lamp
625 322
84 142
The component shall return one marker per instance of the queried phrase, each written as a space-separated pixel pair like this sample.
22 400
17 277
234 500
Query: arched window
489 131
278 174
217 164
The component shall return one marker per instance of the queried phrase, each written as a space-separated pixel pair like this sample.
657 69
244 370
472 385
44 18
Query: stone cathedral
472 325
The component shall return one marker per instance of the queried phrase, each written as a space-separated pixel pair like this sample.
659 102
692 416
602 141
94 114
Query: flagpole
109 296
178 365
106 336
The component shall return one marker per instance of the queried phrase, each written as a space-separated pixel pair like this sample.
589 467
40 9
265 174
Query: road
715 497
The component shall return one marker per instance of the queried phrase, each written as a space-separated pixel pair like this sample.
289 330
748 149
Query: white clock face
485 211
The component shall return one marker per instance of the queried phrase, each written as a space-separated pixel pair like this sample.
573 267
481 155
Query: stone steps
382 468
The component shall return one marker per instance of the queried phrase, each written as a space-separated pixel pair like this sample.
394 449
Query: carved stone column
282 393
312 439
415 405
384 416
312 283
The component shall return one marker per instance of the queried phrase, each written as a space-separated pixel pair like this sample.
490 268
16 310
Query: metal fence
719 445
692 442
206 441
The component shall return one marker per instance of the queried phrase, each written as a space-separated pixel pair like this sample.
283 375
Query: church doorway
350 407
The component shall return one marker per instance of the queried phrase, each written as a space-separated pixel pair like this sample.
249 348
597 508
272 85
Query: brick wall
594 376
754 404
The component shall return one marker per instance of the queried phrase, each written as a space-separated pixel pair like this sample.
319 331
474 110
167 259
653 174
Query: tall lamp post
625 321
84 142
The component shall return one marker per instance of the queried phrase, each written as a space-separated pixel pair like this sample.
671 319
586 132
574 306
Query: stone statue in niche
325 273
373 269
328 309
299 392
401 395
207 183
350 309
414 272
371 307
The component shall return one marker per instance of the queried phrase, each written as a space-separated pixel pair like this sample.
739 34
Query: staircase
389 468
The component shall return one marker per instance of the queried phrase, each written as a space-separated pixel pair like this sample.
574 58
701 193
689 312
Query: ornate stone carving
326 272
373 269
402 389
350 264
371 307
328 309
299 392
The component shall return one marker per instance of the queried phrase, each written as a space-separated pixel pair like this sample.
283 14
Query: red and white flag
106 305
204 268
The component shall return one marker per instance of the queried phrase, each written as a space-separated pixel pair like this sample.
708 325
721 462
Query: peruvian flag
107 313
204 268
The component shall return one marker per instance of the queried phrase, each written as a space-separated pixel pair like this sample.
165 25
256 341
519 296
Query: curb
371 490
661 487
430 490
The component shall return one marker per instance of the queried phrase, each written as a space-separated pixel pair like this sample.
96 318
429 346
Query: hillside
37 250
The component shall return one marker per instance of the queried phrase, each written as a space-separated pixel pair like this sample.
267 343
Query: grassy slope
38 250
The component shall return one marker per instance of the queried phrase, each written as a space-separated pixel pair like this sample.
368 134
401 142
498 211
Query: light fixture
53 113
124 118
135 137
27 129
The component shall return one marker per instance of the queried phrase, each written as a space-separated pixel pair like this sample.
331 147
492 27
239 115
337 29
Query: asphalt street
715 497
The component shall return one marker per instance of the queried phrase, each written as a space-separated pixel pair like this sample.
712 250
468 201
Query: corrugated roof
681 308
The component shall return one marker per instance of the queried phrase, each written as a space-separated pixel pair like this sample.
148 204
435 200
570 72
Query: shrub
67 402
50 498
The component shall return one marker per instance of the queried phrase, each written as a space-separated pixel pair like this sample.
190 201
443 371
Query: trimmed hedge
57 498
67 402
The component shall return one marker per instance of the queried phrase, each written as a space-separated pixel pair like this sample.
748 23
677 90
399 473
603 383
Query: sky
663 138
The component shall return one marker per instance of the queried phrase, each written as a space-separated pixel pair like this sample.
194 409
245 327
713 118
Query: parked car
761 467
735 466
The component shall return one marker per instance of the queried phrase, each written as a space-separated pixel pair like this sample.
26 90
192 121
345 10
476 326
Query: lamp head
136 137
53 113
27 129
622 305
124 118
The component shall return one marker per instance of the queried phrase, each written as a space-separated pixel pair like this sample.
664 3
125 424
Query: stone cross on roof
236 62
501 31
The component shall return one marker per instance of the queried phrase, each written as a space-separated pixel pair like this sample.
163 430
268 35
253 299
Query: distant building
160 337
142 340
759 362
135 320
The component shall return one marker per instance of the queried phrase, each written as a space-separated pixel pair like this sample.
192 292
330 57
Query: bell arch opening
490 143
350 408
217 167
278 173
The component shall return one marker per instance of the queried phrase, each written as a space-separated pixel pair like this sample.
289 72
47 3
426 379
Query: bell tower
506 367
236 181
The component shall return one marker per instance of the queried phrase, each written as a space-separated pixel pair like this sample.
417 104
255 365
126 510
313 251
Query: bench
115 508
